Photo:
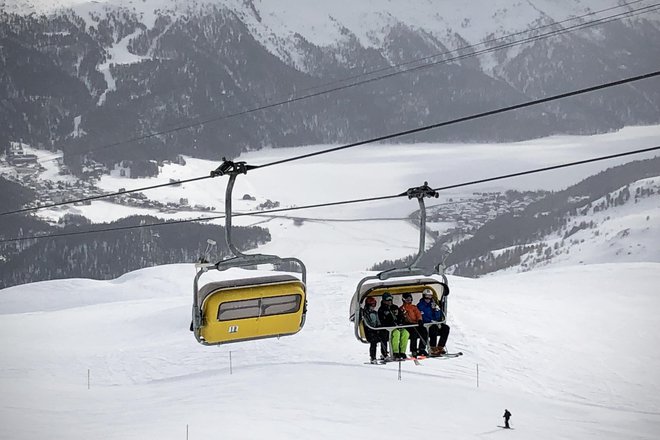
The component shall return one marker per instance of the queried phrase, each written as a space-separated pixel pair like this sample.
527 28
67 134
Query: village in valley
469 213
48 176
19 164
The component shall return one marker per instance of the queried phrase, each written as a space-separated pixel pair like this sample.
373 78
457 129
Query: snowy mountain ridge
621 226
149 66
326 23
281 26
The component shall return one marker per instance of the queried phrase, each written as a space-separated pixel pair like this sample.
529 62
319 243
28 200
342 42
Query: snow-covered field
573 353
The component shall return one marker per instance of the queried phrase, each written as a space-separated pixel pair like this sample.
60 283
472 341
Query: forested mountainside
114 252
103 79
613 215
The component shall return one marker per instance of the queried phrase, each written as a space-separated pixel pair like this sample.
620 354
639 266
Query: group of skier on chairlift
427 311
395 325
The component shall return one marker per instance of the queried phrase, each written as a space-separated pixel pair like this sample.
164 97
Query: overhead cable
368 141
579 26
484 43
466 118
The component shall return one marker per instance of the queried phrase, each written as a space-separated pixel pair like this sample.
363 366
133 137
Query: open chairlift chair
411 279
249 308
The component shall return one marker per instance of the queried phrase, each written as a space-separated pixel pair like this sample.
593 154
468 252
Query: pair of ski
418 358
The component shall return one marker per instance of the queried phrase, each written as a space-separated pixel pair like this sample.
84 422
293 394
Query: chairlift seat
396 287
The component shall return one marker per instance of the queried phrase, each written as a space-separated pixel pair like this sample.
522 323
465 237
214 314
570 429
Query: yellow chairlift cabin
248 308
410 279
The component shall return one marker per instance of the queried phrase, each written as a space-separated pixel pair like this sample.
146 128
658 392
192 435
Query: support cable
368 141
579 26
466 118
491 41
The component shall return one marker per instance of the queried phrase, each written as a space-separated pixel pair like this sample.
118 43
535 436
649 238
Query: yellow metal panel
218 332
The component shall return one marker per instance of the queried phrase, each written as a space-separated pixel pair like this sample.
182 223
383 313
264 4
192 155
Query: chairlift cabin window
256 307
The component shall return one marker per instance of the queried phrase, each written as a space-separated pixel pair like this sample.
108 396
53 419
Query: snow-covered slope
329 23
571 352
146 64
326 23
280 25
623 226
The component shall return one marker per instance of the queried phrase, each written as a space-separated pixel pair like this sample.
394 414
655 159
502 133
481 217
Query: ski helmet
370 301
427 292
387 296
407 295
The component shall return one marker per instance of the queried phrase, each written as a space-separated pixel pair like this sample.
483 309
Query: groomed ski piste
572 352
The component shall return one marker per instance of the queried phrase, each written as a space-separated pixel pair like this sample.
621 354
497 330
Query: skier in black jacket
390 316
507 416
374 337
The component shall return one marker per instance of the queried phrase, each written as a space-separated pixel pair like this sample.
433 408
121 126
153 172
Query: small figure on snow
374 337
507 416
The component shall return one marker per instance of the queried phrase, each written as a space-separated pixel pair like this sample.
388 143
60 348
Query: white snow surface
630 232
573 353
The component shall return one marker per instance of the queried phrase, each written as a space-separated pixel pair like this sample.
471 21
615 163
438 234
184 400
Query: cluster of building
470 213
139 200
17 157
25 169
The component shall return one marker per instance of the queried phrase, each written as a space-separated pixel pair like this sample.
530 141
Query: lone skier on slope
507 416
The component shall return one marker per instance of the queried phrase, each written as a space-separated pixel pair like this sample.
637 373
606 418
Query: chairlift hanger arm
420 192
232 168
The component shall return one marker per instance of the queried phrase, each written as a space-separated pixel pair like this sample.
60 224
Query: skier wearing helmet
374 337
431 312
390 316
412 315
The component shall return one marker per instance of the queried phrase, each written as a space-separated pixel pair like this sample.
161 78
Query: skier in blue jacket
431 312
